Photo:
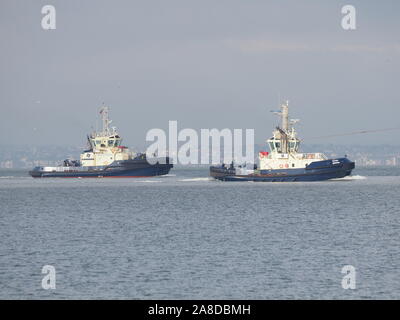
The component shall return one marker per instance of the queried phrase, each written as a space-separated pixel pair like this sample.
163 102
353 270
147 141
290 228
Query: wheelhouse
278 146
106 142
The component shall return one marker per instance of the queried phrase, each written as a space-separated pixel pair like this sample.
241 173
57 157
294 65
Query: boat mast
284 114
285 117
284 130
106 120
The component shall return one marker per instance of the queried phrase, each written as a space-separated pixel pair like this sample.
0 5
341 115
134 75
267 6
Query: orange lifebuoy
286 165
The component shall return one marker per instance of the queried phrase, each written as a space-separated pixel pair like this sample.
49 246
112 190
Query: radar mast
106 121
285 134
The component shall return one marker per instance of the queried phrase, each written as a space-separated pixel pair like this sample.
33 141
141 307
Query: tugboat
284 163
106 158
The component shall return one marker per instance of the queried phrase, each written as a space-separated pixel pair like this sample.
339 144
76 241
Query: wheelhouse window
275 145
271 146
293 146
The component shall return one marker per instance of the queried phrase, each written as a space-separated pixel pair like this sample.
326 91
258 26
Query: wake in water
196 179
15 177
351 178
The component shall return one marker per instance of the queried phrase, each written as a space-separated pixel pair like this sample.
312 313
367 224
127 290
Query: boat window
293 145
271 145
98 142
110 143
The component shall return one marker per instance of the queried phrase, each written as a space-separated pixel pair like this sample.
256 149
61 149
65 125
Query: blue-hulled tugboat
284 162
107 158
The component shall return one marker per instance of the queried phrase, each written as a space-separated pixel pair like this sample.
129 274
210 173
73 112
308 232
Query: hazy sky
204 63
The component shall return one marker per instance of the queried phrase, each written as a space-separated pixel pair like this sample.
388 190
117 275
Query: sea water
186 236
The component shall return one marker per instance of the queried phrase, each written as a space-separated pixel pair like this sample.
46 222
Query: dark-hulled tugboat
284 162
107 158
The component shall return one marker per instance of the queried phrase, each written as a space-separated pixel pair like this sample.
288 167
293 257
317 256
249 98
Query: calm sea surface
184 236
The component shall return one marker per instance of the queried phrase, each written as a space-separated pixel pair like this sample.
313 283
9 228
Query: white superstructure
105 146
284 146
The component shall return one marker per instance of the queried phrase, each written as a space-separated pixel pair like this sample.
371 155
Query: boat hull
122 169
316 171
